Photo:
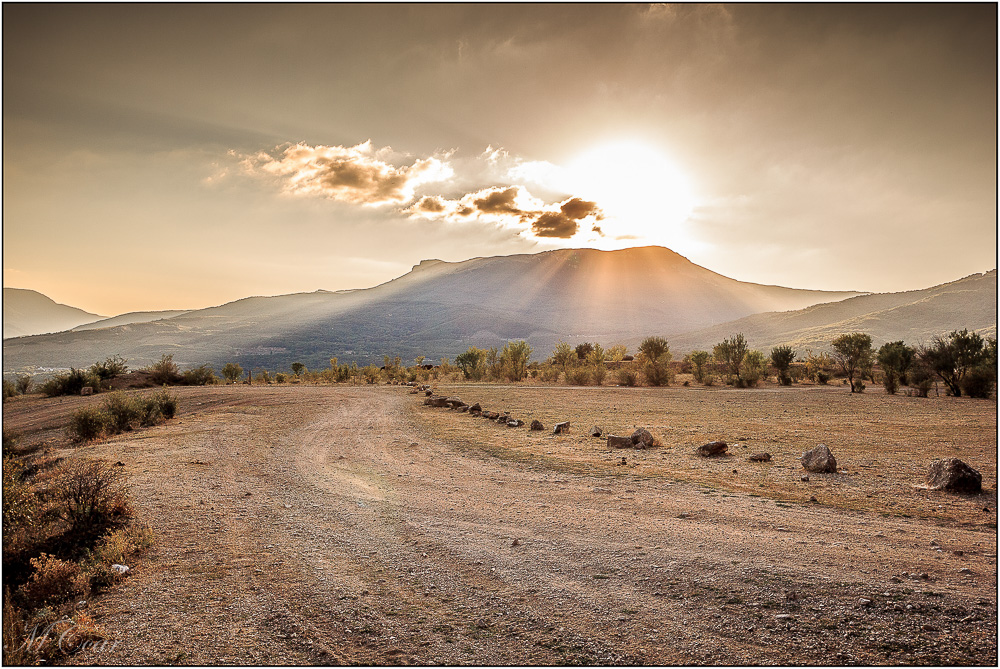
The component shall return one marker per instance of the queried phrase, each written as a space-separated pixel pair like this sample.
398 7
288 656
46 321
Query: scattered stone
965 570
683 514
864 601
490 415
924 576
462 409
428 392
953 474
475 408
561 428
119 464
814 500
436 401
536 425
805 479
120 569
819 459
623 462
712 448
515 543
86 390
614 441
784 616
515 422
760 457
454 401
642 438
596 431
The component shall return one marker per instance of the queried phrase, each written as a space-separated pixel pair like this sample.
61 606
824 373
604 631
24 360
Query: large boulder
490 415
561 428
953 474
454 402
536 425
642 438
712 449
476 408
819 460
614 441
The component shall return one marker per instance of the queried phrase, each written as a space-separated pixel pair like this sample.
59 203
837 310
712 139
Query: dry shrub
54 582
15 650
627 377
90 495
88 423
579 376
116 546
123 411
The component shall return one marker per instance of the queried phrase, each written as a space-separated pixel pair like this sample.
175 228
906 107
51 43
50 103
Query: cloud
515 208
357 174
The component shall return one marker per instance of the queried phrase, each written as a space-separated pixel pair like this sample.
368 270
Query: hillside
28 312
129 318
913 316
439 309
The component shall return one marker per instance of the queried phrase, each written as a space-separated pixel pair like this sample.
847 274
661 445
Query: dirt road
328 525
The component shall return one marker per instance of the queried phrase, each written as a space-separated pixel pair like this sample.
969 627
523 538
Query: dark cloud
499 202
431 204
577 208
554 224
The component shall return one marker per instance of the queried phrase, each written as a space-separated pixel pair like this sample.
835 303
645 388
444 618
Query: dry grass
883 444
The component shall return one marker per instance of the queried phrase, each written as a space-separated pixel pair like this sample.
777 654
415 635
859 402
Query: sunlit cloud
357 174
515 208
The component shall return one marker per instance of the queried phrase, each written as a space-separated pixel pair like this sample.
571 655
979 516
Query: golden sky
171 157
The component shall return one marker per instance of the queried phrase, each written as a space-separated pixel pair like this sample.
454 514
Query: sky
184 156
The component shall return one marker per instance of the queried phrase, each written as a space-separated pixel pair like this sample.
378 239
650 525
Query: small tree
583 350
563 355
232 372
699 361
730 353
298 368
753 368
111 368
656 357
24 384
782 358
895 359
472 363
419 360
617 353
853 352
953 357
165 371
514 359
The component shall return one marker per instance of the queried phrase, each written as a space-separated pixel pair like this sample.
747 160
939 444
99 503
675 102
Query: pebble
964 570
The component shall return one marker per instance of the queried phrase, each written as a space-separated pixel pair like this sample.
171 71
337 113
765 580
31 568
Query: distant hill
28 312
129 318
914 316
439 309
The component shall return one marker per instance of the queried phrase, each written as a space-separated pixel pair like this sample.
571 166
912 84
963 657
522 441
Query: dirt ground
353 525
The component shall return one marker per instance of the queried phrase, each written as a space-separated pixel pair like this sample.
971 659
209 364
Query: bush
822 377
23 384
598 372
90 495
19 501
9 390
166 403
578 376
232 372
199 376
123 411
119 544
88 423
71 383
890 381
627 377
978 382
280 377
54 582
109 369
165 371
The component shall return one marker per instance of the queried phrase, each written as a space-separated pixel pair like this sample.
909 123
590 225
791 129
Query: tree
895 359
596 361
782 358
164 371
753 368
472 363
563 355
730 353
853 352
419 360
656 357
298 368
23 384
952 358
514 359
112 367
232 372
583 350
617 352
698 361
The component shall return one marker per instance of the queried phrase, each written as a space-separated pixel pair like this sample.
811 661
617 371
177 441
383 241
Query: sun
642 192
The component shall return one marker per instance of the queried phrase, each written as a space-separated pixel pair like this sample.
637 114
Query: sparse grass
874 434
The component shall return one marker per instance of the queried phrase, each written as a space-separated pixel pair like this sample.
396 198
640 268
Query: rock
642 438
819 459
561 428
476 408
454 402
965 570
428 392
814 500
86 390
615 441
712 449
596 431
515 422
760 457
953 474
120 569
490 415
805 479
462 409
623 462
536 425
515 543
436 401
504 417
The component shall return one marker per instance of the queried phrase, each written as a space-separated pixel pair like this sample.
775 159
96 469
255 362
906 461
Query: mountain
27 312
129 318
914 316
439 309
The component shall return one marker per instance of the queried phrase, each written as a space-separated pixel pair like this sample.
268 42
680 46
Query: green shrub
9 389
71 383
88 423
109 369
232 372
165 371
627 377
199 376
123 411
890 381
978 382
280 377
165 403
578 376
598 373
